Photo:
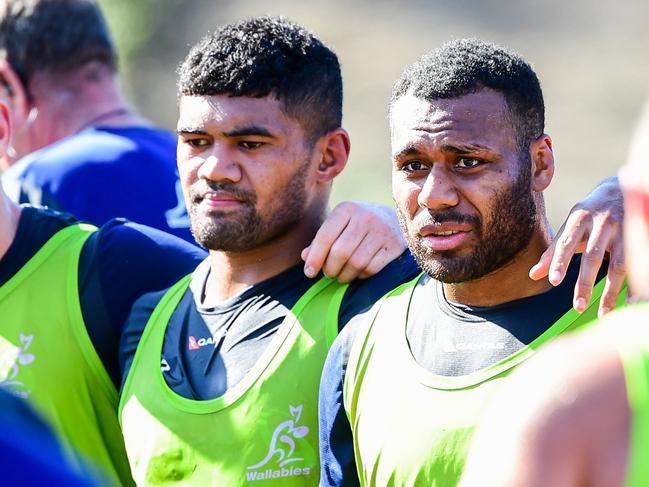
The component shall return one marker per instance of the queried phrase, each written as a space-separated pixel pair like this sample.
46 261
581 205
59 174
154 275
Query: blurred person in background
31 455
578 413
65 291
405 385
78 146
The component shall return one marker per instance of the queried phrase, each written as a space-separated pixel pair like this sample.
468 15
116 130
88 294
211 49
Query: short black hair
269 56
55 36
465 66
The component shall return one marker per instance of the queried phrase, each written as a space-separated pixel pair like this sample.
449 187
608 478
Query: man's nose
220 165
439 190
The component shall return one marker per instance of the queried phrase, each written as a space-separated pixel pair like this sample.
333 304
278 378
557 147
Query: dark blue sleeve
31 454
337 464
363 293
120 263
133 329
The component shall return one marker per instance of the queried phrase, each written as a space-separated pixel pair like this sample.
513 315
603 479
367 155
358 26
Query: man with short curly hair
404 386
243 339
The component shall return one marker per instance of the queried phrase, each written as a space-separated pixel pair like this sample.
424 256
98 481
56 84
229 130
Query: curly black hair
269 56
54 36
465 66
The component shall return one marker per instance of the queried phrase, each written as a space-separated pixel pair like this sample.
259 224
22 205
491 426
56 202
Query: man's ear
542 163
18 98
334 152
5 127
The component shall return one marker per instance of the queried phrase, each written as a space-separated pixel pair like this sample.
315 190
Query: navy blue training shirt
209 348
106 172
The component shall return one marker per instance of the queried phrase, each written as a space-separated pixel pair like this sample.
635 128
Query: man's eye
197 142
468 163
249 145
413 166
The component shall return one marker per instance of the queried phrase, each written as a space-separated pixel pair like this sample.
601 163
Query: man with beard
66 289
404 387
243 339
578 412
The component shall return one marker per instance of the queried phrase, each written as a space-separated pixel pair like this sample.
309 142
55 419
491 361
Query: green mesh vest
262 431
417 431
47 358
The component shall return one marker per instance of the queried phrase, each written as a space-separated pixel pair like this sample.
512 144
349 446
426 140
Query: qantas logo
198 343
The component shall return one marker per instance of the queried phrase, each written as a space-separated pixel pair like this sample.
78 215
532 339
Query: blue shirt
103 173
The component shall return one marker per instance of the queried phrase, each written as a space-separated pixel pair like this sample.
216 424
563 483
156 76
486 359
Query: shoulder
561 415
138 318
92 149
363 293
122 239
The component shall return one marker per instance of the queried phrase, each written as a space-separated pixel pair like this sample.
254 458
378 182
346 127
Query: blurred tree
133 24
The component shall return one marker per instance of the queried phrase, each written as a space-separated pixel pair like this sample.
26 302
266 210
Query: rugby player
405 385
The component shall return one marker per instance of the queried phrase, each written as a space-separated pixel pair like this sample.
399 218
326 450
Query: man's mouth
446 236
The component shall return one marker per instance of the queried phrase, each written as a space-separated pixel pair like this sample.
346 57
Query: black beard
514 218
248 229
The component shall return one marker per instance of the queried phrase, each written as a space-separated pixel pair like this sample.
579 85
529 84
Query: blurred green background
591 58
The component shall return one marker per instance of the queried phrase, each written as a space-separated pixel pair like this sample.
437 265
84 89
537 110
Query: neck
233 272
107 109
507 283
9 216
81 102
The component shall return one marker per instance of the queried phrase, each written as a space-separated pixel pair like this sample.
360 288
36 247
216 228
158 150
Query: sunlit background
591 57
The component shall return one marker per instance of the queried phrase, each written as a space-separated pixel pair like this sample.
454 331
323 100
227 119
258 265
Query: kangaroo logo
284 433
10 362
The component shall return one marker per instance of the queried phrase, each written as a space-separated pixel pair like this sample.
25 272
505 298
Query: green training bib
411 427
263 431
47 358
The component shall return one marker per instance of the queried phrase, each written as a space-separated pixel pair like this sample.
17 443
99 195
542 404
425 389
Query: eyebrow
246 130
190 131
465 148
249 130
408 150
412 150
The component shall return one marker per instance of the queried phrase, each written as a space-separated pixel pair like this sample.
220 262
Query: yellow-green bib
411 427
263 431
47 358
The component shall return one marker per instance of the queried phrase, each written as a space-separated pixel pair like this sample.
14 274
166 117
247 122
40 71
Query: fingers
542 267
347 251
614 282
316 254
368 259
356 240
568 240
591 261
